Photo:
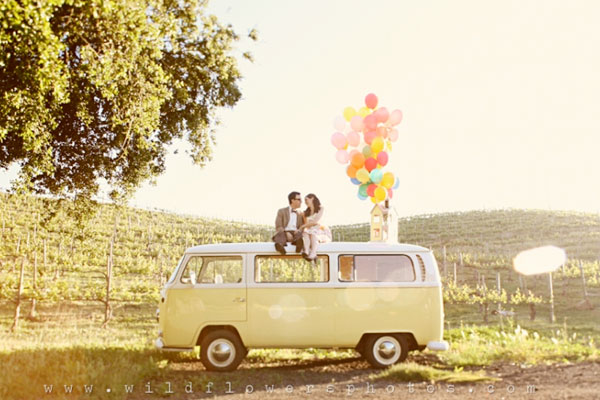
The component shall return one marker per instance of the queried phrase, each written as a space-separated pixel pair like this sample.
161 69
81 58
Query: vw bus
381 299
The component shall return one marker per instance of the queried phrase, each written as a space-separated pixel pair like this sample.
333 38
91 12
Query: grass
413 372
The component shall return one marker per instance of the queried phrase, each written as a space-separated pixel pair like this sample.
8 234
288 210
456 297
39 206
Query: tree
95 90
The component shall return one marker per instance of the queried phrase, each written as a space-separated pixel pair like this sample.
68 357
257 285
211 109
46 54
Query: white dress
322 231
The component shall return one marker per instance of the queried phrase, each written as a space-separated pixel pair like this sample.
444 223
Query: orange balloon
351 171
358 160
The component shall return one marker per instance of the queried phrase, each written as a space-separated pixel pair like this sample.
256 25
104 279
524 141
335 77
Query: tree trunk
32 311
109 265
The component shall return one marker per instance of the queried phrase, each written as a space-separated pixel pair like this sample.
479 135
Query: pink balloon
393 135
382 131
370 122
382 115
390 193
371 101
353 152
339 140
369 136
342 156
356 123
382 158
353 138
395 117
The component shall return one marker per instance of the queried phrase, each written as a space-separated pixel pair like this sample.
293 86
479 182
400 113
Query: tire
384 350
221 350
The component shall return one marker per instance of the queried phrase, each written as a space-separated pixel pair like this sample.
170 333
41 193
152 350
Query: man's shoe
299 249
280 249
305 256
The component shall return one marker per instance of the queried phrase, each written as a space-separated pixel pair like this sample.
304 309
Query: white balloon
339 123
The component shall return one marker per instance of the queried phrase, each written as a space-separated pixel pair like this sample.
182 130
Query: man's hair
292 195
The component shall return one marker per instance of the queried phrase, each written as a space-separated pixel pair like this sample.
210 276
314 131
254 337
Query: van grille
422 265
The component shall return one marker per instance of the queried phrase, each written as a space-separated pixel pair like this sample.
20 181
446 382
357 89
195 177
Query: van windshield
172 277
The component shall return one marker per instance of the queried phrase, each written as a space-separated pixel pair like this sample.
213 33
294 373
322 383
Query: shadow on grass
31 373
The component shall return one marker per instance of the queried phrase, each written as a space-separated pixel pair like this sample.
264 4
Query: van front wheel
381 351
221 350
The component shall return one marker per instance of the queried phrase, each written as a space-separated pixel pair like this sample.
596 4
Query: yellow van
381 299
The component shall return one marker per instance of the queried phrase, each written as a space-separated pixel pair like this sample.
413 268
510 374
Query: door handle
239 300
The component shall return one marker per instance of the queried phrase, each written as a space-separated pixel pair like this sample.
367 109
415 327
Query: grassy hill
69 261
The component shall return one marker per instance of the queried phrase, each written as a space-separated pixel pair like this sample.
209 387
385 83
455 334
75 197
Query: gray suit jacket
283 218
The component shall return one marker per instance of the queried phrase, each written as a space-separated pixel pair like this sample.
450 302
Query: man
286 224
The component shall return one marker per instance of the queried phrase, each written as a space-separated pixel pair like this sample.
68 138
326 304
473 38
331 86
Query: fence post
585 295
552 317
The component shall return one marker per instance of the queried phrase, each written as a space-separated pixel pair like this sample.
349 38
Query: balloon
353 138
356 123
362 197
351 171
362 190
339 123
371 189
370 122
353 152
355 181
382 131
390 193
382 115
393 135
380 194
371 101
367 151
382 158
377 144
376 175
395 117
349 112
370 164
342 156
358 160
339 140
374 200
364 111
369 136
362 175
388 180
397 184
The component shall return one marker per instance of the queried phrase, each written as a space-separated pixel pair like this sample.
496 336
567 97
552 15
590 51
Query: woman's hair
316 204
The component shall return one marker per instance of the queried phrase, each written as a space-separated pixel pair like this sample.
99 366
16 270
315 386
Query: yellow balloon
374 200
364 111
349 112
389 146
363 175
380 194
388 180
377 144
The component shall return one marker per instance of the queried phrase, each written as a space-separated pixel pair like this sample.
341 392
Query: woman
313 232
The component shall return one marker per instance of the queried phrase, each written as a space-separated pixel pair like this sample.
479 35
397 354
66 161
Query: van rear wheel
221 350
381 351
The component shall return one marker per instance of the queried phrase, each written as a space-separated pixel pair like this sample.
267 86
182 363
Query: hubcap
386 350
221 352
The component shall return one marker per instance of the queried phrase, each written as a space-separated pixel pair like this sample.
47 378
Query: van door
290 303
218 296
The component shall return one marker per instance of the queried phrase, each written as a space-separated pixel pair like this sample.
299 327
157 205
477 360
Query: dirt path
352 378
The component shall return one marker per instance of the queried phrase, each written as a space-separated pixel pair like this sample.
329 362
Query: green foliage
94 90
413 372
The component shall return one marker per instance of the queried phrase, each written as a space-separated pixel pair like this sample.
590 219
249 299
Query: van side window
213 269
292 268
376 268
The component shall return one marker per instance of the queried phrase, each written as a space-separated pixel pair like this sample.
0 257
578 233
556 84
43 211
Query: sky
500 100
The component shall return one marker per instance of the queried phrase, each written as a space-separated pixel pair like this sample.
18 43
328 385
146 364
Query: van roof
269 247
